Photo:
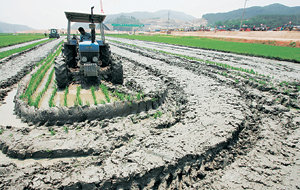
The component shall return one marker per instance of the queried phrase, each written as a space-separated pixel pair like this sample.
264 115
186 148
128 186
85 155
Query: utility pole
101 6
243 14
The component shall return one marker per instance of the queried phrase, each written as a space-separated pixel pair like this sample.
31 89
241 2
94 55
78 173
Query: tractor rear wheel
117 73
61 74
105 55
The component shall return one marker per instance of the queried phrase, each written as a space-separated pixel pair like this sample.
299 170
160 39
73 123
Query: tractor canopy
84 17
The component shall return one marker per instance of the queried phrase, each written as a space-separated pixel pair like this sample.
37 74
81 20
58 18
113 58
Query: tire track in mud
244 143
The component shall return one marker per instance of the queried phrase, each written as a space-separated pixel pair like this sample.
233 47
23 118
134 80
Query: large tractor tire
117 73
70 55
105 55
61 74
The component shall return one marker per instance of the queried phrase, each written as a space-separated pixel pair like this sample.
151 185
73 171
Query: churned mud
217 128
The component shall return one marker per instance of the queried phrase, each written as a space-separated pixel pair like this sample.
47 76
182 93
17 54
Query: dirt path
216 129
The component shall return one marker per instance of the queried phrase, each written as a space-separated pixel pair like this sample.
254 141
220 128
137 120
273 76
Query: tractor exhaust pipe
92 26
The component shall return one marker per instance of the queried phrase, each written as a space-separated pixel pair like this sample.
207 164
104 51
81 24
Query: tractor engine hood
88 46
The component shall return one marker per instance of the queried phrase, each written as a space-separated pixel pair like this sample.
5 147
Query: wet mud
212 131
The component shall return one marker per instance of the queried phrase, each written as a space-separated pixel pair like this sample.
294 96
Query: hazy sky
43 14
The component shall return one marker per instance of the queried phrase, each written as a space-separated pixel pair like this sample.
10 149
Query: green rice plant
102 102
237 81
157 114
39 96
129 98
121 96
66 96
139 96
38 76
66 129
1 131
51 103
105 92
94 95
284 83
52 132
78 99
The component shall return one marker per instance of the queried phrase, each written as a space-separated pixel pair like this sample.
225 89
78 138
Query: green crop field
261 50
16 50
12 39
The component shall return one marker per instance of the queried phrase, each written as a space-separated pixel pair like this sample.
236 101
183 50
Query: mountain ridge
272 9
12 28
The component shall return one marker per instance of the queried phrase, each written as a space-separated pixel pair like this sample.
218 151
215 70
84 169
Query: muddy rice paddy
205 127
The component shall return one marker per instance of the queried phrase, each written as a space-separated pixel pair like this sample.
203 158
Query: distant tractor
87 60
53 33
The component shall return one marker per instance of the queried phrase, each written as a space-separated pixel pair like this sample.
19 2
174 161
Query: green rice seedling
237 81
66 129
78 99
51 102
37 77
139 96
102 102
129 98
87 103
1 131
94 95
105 92
38 98
121 96
66 96
52 132
157 114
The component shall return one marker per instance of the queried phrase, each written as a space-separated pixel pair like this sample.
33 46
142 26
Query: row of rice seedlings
38 76
105 92
94 95
78 100
51 102
66 96
38 98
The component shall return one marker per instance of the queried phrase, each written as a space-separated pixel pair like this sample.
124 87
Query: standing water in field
8 118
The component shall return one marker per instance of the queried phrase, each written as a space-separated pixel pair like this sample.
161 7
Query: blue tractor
89 59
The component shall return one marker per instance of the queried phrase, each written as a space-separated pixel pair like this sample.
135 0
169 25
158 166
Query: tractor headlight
84 59
95 59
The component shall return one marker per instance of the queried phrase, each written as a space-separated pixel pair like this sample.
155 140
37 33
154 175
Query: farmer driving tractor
84 35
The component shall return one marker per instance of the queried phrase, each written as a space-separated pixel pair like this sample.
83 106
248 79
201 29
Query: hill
12 28
273 9
151 20
272 21
162 14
